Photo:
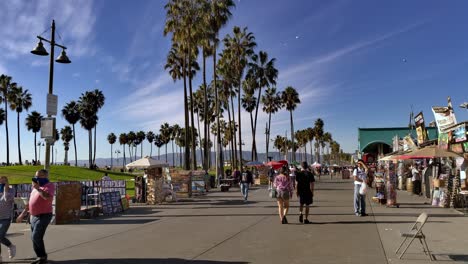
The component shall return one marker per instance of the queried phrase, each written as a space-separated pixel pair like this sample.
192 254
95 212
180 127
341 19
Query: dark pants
4 225
417 187
39 225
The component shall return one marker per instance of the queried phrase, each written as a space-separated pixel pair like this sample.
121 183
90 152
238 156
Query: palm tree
71 113
66 135
175 131
131 137
112 138
198 104
327 138
280 143
123 141
290 99
271 101
217 17
2 116
33 122
310 137
318 133
265 75
98 103
88 119
19 100
150 137
5 89
249 103
159 142
240 48
165 131
141 136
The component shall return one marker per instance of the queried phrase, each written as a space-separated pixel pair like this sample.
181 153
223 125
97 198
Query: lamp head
63 58
40 50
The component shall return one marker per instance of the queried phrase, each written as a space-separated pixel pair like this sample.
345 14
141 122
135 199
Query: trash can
212 181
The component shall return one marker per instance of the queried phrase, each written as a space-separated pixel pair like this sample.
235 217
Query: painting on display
443 141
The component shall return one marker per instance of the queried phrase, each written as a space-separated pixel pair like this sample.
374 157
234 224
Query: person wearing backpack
360 177
284 190
246 180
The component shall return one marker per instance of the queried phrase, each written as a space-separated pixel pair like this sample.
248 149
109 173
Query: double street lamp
51 100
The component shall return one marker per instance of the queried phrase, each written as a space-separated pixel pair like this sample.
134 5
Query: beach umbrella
254 163
284 162
275 164
430 152
146 163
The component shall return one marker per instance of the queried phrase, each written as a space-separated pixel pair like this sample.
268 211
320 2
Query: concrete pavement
221 228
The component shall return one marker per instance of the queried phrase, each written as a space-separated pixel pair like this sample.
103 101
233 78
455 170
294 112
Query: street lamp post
41 51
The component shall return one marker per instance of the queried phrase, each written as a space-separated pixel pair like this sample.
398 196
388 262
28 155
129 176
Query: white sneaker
12 251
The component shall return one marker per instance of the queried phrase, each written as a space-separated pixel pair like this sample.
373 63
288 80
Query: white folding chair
416 232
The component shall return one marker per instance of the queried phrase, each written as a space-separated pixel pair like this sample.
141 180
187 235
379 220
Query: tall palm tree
249 103
141 136
33 123
271 101
71 113
240 48
88 120
175 132
19 100
112 138
99 100
5 89
165 132
310 137
66 136
327 139
280 143
318 133
217 17
123 141
290 99
131 137
2 116
150 137
198 104
159 142
265 74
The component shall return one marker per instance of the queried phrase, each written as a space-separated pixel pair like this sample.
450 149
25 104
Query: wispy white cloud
3 70
22 20
39 63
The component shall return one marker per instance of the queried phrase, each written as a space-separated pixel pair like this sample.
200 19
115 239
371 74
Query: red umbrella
284 162
275 164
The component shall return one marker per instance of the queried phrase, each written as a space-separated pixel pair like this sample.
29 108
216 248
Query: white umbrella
146 163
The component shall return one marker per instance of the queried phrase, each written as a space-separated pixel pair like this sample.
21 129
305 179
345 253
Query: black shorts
306 199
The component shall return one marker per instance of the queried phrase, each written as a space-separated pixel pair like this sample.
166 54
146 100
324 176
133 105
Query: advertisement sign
444 117
459 133
408 143
420 128
48 128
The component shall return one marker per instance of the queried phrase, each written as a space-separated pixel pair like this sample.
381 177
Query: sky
354 63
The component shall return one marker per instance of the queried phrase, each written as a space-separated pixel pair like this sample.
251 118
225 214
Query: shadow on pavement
144 261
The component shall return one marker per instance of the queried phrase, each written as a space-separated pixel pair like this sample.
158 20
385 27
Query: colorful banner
420 128
408 143
443 141
459 133
444 117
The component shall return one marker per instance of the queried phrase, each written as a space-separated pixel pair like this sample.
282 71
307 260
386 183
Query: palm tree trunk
35 147
112 156
240 124
6 130
19 142
94 154
311 152
130 153
151 149
305 152
219 155
234 136
254 145
173 157
268 135
74 143
192 120
159 153
186 112
201 143
90 139
124 159
166 151
135 151
252 155
205 117
292 137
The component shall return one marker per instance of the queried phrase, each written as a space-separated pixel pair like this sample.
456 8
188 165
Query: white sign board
52 100
48 128
444 117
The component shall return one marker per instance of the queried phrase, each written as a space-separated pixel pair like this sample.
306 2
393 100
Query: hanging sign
420 128
444 117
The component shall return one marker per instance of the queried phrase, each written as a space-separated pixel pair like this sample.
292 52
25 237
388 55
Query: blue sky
354 63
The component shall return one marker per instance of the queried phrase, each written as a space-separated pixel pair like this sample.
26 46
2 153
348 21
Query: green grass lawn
23 174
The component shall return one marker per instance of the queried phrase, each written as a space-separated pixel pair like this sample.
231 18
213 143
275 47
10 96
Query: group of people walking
39 209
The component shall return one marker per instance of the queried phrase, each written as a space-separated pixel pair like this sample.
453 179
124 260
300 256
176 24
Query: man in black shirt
305 190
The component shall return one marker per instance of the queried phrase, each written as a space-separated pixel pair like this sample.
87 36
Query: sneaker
301 217
357 214
12 251
285 220
364 214
282 221
306 221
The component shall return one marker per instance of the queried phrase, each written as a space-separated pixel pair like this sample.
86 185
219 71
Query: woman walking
284 191
6 208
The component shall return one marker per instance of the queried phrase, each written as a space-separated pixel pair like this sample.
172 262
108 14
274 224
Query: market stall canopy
254 163
275 164
146 163
430 152
316 164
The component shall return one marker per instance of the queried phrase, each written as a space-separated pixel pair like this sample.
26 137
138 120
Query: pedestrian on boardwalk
416 179
305 191
284 191
271 177
7 197
245 182
360 176
40 209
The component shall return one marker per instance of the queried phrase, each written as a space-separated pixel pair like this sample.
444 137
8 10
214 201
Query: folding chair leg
396 252
404 251
427 249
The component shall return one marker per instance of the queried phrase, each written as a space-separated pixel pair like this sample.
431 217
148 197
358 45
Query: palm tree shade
33 123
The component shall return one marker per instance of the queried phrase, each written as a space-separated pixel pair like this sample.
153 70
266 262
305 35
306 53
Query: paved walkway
221 228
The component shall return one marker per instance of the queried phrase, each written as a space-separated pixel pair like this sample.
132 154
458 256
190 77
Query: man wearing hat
360 177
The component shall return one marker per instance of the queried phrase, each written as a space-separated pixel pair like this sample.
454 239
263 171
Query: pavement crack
230 237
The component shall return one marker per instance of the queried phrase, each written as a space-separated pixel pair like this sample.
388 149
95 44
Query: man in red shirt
40 208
